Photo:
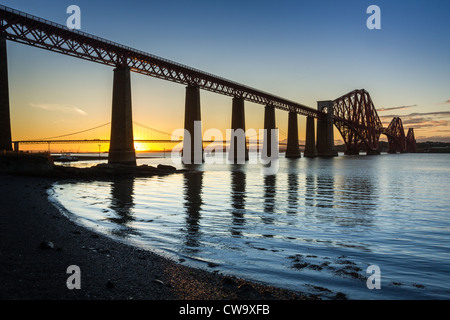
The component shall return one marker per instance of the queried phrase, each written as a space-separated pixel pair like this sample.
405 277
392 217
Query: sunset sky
300 50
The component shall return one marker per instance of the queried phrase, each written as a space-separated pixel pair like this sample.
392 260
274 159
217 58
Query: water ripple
317 223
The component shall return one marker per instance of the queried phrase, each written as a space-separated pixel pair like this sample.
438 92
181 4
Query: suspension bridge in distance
100 133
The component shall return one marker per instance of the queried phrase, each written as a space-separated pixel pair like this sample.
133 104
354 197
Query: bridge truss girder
354 113
411 141
30 30
396 136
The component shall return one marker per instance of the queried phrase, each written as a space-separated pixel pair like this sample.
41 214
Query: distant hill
433 147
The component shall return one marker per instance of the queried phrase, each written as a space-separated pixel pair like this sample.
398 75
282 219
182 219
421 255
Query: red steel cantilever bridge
353 114
357 120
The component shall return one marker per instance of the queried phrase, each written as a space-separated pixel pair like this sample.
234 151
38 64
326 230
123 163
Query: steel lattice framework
357 120
27 29
355 115
411 141
396 136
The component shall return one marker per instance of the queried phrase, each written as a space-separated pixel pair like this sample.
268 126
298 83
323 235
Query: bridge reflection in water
234 219
122 204
237 197
193 183
327 186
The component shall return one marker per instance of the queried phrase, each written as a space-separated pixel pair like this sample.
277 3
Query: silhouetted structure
293 148
325 132
238 145
411 145
5 122
358 122
396 136
353 114
121 148
192 143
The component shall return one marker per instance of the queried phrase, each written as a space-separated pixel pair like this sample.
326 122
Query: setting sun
138 146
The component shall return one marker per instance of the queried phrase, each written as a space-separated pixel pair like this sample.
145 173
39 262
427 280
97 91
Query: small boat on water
66 157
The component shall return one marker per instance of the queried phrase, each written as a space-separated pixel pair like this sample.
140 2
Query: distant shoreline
422 147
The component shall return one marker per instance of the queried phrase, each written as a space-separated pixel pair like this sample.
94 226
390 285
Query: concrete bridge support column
310 145
293 149
121 148
238 144
269 138
193 144
5 120
325 134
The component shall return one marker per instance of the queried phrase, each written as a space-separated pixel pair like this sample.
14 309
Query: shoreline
31 269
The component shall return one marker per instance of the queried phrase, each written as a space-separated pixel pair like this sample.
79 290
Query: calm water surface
314 226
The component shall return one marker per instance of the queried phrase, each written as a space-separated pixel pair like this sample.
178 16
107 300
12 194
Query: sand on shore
30 270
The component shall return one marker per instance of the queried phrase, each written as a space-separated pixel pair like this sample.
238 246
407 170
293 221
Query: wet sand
30 269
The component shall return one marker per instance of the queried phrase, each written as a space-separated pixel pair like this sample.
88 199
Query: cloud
415 120
447 102
64 108
436 138
439 114
421 120
429 124
396 108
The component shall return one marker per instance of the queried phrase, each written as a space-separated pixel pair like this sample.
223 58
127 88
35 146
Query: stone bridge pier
5 120
325 132
121 148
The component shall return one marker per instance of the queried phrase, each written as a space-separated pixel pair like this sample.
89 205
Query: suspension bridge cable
152 129
74 133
